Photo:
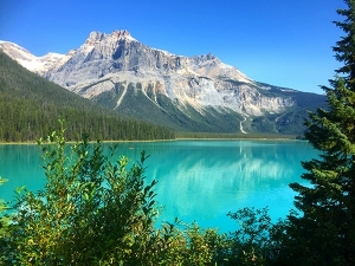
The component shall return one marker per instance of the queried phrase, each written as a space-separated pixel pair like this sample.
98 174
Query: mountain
198 93
30 107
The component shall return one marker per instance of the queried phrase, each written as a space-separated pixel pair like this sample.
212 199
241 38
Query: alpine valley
198 94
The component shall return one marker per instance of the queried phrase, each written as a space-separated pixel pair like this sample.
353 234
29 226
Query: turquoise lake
197 180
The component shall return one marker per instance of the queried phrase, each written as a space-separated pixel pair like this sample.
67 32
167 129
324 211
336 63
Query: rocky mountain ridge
192 93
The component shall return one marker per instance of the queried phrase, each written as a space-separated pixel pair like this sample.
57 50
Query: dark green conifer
324 233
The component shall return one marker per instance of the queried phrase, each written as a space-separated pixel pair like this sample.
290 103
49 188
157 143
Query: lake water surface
197 180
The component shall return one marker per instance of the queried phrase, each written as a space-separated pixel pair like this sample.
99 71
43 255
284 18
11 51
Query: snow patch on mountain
39 65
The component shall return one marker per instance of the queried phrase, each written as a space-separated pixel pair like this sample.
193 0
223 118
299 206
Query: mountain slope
30 107
198 93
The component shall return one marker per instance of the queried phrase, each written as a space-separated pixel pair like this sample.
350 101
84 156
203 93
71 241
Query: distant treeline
30 107
227 136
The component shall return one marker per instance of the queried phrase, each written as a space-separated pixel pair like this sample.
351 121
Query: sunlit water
197 180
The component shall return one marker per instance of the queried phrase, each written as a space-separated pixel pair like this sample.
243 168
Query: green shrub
93 209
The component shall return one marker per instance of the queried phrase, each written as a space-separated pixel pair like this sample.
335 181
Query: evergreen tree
324 234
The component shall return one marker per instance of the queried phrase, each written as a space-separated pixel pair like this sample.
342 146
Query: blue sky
281 42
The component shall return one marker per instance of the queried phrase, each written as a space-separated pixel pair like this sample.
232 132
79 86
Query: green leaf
20 189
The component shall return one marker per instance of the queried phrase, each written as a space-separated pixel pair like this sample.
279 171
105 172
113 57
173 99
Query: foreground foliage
92 210
4 226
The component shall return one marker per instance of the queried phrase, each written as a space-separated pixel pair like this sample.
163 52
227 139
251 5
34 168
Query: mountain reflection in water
197 180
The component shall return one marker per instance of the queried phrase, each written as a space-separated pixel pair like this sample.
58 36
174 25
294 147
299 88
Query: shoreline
266 138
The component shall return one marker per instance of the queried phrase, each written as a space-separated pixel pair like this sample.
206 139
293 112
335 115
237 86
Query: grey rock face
199 81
